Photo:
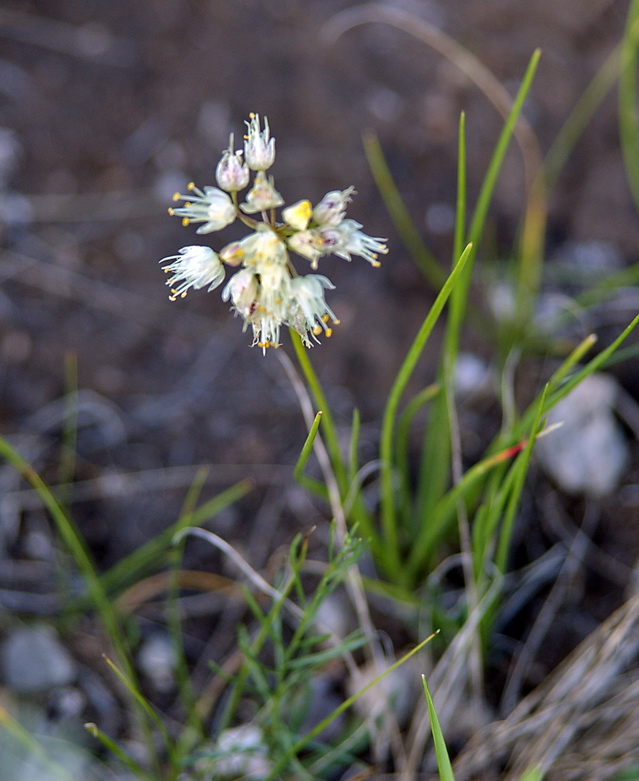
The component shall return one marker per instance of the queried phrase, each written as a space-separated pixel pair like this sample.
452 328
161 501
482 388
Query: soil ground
106 109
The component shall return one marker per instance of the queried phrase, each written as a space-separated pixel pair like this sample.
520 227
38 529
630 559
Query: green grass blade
194 727
579 118
152 716
437 526
114 749
319 728
434 468
460 208
404 424
389 553
443 760
520 470
36 751
75 545
329 430
315 486
353 450
558 390
537 774
404 224
478 221
628 122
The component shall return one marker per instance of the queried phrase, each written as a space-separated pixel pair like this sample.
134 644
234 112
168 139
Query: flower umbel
266 290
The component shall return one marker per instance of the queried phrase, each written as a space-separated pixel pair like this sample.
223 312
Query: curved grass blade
399 214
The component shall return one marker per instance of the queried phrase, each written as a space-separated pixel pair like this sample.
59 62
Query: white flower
266 329
262 196
332 208
259 149
232 173
308 244
346 239
308 311
242 289
194 267
275 281
298 215
211 206
262 247
256 306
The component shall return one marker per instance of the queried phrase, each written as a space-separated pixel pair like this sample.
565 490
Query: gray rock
589 453
34 660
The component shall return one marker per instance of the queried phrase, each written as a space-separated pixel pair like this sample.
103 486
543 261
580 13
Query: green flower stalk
266 290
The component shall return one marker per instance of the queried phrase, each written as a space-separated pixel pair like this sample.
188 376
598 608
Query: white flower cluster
266 290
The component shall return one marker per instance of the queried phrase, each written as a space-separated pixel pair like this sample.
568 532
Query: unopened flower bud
232 254
232 173
298 215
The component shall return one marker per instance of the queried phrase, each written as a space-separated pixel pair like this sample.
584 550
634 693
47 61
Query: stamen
185 221
190 186
176 196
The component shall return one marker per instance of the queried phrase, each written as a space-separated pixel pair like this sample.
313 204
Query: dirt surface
108 108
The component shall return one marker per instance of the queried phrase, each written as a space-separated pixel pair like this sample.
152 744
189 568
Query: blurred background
106 109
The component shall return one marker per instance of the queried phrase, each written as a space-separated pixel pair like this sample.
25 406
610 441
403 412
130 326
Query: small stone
157 661
588 454
472 376
34 660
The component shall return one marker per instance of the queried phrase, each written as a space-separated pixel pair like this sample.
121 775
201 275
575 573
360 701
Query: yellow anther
325 318
185 221
336 322
190 186
171 211
329 331
252 115
317 330
375 264
176 196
